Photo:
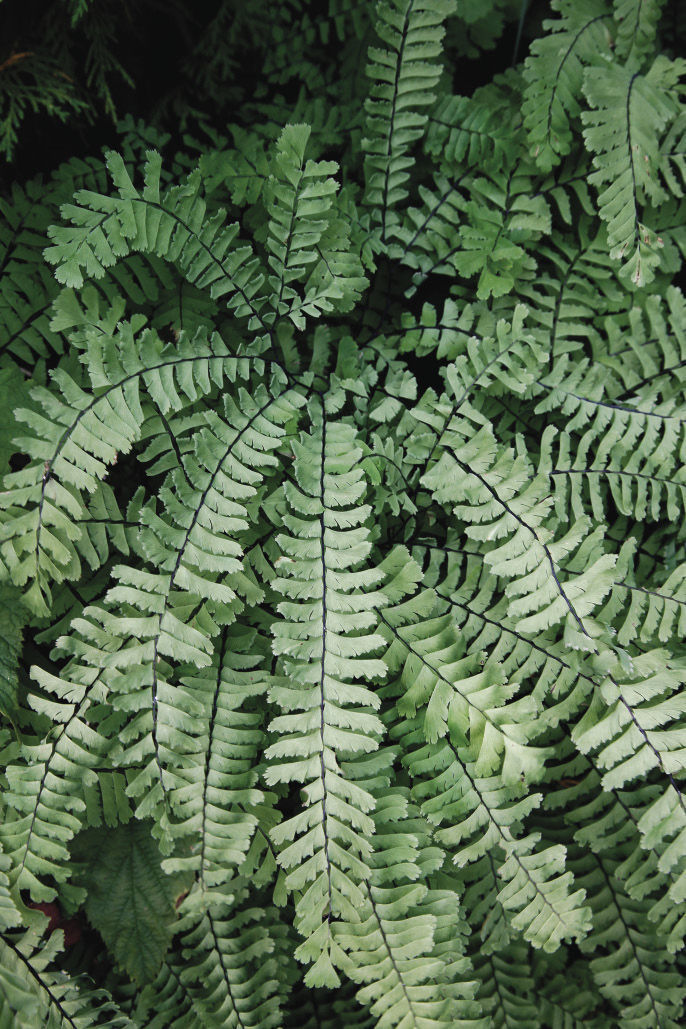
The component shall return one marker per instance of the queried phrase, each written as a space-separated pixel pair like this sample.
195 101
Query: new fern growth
343 550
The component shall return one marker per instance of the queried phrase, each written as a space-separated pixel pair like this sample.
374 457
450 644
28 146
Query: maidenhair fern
342 540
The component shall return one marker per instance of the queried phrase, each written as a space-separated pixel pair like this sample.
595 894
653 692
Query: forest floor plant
343 543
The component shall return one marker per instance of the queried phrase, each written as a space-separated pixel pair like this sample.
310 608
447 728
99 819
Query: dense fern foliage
342 534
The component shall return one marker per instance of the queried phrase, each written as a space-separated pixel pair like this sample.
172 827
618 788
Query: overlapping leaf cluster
343 550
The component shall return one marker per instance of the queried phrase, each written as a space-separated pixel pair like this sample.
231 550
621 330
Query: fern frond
199 570
403 78
572 291
342 541
648 348
300 200
629 113
646 610
228 969
80 431
243 172
36 993
609 821
499 222
545 663
167 1003
14 618
506 507
45 798
637 730
408 947
426 237
218 748
638 712
470 132
457 694
568 999
554 73
506 990
637 22
325 640
632 974
390 950
10 917
426 334
631 449
484 820
673 157
172 224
